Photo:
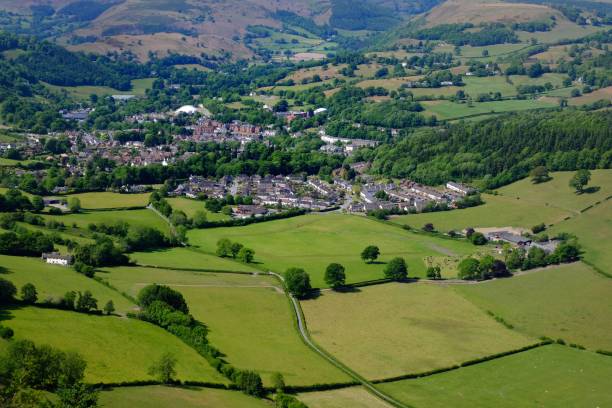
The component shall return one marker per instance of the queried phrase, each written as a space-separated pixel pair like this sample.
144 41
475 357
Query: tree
396 269
515 258
109 307
478 238
78 396
567 252
298 282
429 227
224 248
246 255
29 294
164 368
536 229
235 248
335 276
7 291
278 382
86 302
200 219
38 204
250 383
539 174
370 253
74 205
164 294
469 269
536 257
580 180
434 272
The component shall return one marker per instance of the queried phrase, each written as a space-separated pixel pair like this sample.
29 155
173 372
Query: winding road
306 337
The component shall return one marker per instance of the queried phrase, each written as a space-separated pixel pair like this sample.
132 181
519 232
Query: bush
536 229
6 333
396 269
478 238
298 282
7 291
165 294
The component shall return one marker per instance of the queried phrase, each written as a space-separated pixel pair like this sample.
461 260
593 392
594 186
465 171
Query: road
306 337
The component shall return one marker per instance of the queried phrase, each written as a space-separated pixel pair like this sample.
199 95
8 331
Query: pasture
396 329
314 241
189 258
254 327
544 377
141 218
558 193
571 302
104 200
564 30
353 397
139 87
116 349
190 207
170 397
54 281
452 110
475 86
498 211
594 231
131 280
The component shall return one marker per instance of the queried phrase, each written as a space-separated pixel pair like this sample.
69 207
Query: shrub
6 332
7 291
165 294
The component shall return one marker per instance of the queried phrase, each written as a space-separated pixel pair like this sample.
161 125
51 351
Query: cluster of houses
344 146
294 191
207 130
408 196
520 241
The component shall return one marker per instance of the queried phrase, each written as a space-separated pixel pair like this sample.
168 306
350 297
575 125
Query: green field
555 79
353 397
475 86
571 302
494 50
116 349
171 397
189 207
594 231
551 376
139 87
53 281
558 193
453 110
563 30
249 318
143 218
314 241
131 279
521 204
396 329
188 258
95 201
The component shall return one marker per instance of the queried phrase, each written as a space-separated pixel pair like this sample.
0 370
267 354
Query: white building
460 188
55 258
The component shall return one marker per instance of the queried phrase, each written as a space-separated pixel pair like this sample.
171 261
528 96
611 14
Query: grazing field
555 79
353 397
53 281
604 93
170 397
475 86
396 329
116 349
188 258
143 218
548 376
314 241
594 231
468 51
254 327
453 110
189 207
95 201
564 30
132 279
558 193
571 302
139 87
498 211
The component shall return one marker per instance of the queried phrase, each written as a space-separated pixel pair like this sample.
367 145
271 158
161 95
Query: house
460 188
246 211
55 258
509 237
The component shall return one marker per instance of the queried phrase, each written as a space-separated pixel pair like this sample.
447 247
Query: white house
56 258
460 188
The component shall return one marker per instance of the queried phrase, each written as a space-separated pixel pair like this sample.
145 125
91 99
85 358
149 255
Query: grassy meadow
453 110
190 207
139 88
104 200
353 397
396 329
143 218
189 258
116 349
549 376
314 241
54 281
571 302
170 397
521 204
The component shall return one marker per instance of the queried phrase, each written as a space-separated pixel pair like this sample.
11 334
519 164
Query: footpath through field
306 337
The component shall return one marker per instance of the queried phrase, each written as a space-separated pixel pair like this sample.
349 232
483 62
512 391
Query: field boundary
173 268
